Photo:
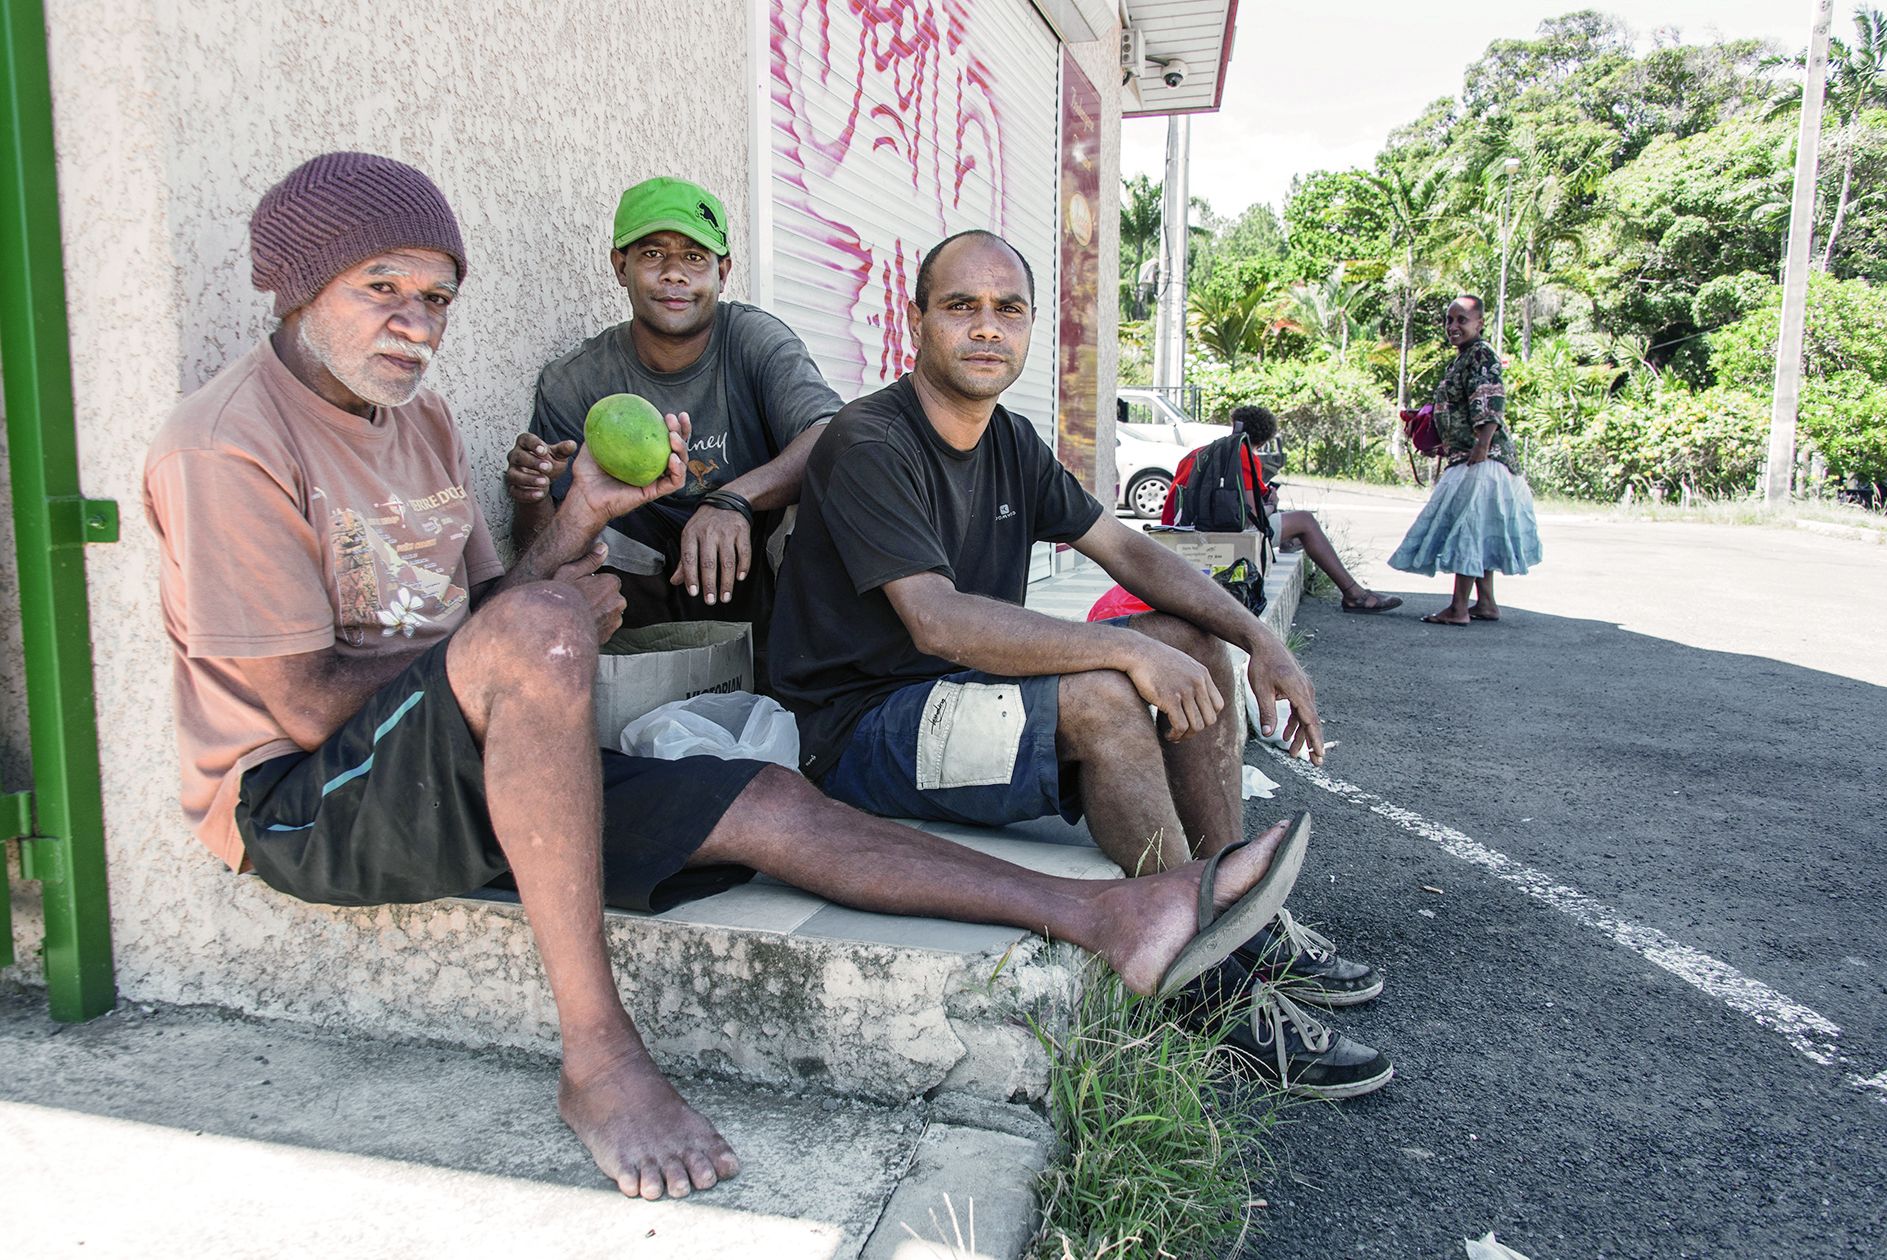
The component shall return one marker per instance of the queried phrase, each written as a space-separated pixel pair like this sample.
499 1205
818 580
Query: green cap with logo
671 205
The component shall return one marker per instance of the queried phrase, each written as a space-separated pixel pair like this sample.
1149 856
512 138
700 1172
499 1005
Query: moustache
404 349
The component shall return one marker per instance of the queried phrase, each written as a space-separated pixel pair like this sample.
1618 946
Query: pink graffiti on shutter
920 123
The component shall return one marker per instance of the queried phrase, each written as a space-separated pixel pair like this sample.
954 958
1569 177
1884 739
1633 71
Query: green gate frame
61 823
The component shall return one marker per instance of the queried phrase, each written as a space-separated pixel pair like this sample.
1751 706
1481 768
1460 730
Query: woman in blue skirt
1479 519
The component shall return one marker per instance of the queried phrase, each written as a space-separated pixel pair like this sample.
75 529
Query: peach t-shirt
286 526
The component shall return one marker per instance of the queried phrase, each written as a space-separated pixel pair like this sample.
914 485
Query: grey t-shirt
753 390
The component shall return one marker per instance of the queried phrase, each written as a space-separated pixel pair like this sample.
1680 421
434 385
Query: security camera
1173 71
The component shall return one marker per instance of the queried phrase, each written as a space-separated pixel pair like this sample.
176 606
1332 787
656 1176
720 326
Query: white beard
317 339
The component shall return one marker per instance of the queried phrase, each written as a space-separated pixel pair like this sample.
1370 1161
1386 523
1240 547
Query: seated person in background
751 392
1287 528
370 709
924 688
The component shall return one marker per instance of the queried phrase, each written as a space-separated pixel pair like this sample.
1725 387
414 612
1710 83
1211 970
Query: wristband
728 501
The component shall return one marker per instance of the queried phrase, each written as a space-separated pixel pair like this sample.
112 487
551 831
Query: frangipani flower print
403 617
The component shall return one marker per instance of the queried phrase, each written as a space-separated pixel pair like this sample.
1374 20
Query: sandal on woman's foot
1371 603
1436 619
1477 615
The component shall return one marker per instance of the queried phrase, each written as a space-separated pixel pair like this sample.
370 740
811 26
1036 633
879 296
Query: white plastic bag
1488 1247
730 725
1255 783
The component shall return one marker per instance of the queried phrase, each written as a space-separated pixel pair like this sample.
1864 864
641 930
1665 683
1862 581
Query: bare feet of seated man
639 1131
647 1139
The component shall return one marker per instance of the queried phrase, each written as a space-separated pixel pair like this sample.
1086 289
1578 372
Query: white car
1150 439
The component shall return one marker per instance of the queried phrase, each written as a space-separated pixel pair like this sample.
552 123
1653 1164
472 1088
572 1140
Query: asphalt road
1676 737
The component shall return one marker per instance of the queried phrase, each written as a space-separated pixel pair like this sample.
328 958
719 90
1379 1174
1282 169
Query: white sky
1320 86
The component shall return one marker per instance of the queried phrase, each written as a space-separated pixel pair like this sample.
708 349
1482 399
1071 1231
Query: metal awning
1198 32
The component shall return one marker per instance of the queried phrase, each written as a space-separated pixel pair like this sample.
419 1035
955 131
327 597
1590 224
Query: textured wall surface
16 764
171 119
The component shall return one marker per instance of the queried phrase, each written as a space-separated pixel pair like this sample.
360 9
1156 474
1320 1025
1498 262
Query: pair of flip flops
1436 619
1222 931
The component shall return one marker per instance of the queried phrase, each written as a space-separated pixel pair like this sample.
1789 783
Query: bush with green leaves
1330 414
1842 409
1668 439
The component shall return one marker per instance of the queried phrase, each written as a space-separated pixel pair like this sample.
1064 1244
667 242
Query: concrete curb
968 1192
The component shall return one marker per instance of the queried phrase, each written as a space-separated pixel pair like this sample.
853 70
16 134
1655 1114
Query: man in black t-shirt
752 393
923 688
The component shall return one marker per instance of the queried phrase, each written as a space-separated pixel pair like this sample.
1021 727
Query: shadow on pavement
1553 1085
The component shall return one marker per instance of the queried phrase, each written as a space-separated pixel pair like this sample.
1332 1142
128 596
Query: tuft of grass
1155 1161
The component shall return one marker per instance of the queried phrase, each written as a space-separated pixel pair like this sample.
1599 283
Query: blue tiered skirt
1479 520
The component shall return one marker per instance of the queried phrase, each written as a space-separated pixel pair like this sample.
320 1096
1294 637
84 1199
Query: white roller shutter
890 130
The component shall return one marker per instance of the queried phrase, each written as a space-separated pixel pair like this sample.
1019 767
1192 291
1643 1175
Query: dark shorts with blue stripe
392 809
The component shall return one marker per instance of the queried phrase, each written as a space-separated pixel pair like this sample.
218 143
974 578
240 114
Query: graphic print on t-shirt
394 560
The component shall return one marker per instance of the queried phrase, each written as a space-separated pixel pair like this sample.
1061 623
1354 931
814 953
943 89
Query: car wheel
1146 495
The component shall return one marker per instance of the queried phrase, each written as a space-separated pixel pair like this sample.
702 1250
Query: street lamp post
1511 165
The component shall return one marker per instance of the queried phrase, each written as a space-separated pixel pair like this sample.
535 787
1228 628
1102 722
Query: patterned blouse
1471 393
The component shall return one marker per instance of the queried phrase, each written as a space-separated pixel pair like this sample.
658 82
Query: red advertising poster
1079 342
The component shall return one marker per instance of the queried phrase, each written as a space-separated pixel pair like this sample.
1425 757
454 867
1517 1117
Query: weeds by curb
1155 1160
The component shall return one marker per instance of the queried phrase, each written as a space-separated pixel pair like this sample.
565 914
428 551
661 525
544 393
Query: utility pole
1780 473
1169 344
1511 165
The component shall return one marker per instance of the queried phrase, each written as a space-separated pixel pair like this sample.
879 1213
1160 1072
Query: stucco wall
171 119
16 763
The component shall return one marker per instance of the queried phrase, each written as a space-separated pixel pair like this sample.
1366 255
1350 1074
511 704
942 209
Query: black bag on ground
1245 584
1213 497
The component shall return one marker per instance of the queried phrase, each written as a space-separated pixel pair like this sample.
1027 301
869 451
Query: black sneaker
1284 1044
1304 965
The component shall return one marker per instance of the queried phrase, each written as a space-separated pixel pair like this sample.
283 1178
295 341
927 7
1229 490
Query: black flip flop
1221 932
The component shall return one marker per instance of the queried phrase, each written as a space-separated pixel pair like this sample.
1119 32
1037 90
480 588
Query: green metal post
52 523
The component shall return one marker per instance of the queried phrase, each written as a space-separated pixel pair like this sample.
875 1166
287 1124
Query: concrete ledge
763 984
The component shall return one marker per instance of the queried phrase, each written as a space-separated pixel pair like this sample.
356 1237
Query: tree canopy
1634 194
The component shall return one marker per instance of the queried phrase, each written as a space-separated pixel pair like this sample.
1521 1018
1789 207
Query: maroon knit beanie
332 211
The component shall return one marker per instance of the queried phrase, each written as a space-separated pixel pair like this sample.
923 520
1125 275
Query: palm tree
1412 202
1139 230
1857 82
1226 324
1549 189
1328 308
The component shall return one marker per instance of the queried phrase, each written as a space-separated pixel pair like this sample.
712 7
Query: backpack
1213 497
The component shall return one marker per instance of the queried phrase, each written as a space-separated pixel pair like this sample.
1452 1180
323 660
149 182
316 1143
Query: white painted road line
1809 1033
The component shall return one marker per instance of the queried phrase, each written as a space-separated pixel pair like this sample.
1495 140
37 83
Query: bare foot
1484 610
1449 616
1147 921
638 1129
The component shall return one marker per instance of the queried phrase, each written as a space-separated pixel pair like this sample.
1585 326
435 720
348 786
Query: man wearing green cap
754 397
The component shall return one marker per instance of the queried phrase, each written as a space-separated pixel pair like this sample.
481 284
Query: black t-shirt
885 497
753 390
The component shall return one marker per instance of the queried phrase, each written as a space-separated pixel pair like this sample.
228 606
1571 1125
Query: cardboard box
645 668
1211 552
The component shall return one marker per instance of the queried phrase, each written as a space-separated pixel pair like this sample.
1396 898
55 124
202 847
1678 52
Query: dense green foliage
1637 195
1843 408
